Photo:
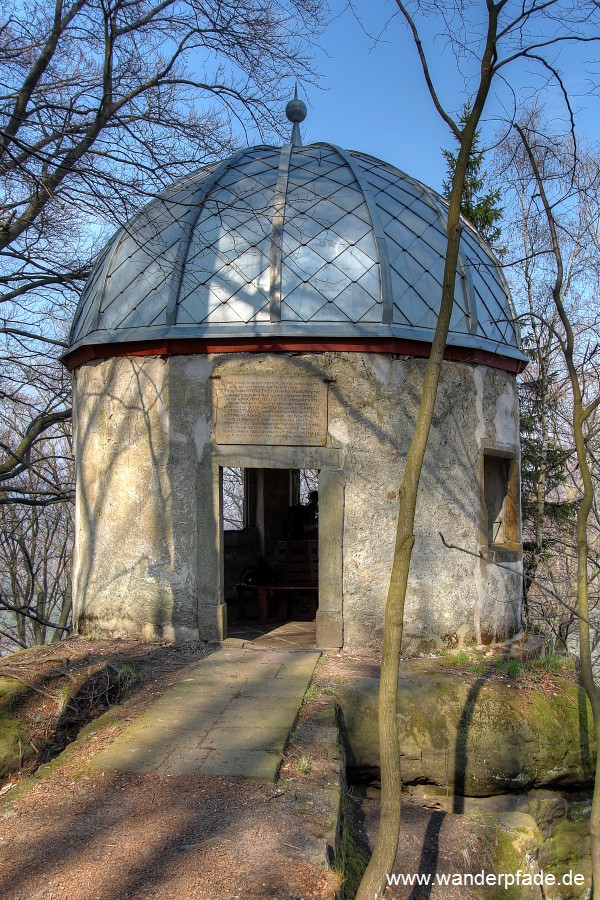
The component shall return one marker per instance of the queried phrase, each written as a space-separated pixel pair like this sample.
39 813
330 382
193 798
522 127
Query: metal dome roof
310 242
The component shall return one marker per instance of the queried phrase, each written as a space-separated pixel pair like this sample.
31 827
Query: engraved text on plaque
252 409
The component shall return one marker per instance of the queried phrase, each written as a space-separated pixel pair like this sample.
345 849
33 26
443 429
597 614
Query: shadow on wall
124 498
137 558
461 758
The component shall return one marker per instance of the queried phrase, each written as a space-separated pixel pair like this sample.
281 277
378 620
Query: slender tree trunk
585 653
65 612
39 632
580 414
373 883
540 492
384 853
541 480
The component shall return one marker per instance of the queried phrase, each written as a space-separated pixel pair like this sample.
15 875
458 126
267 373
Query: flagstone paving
288 636
231 715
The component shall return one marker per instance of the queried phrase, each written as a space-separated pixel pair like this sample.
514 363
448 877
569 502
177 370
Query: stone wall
149 555
126 576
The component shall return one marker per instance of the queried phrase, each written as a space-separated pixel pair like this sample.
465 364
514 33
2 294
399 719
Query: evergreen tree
548 515
481 209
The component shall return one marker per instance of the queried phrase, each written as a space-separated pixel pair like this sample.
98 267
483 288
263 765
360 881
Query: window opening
501 499
308 482
233 498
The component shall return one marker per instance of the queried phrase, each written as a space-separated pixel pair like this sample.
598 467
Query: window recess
501 501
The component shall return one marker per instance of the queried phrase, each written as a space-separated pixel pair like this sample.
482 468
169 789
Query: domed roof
310 243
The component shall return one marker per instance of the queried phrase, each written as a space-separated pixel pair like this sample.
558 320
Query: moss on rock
568 850
475 736
14 743
516 839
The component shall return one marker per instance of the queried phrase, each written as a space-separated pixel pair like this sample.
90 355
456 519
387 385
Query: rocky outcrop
517 759
14 743
475 735
542 834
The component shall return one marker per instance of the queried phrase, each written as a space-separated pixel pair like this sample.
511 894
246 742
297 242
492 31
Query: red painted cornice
191 346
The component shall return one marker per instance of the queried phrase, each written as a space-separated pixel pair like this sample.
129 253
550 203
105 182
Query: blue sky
373 97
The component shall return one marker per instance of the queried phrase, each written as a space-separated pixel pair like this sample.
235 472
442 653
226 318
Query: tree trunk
585 647
65 612
384 853
580 413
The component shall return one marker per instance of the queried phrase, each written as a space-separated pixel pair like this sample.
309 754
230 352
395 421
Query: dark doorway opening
270 552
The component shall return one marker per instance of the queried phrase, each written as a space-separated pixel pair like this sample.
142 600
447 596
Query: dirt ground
84 836
431 841
67 685
108 836
113 836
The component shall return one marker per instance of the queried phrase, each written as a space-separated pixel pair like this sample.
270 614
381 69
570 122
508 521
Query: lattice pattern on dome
312 241
226 277
416 239
330 267
133 280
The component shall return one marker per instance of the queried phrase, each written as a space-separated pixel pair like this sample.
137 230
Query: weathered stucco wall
126 579
149 558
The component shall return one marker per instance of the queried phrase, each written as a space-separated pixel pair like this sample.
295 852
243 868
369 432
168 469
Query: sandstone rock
568 850
14 744
542 831
474 736
516 841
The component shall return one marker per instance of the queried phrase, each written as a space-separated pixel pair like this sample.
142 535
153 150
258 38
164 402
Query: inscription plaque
289 412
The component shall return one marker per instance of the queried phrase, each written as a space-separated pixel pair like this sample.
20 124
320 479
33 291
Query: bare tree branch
20 456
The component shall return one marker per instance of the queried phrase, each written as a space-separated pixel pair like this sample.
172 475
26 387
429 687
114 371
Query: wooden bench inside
296 567
295 573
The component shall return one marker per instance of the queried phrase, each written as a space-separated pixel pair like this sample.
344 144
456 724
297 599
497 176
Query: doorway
269 542
211 537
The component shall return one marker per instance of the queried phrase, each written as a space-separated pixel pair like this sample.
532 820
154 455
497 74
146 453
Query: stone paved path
289 636
230 716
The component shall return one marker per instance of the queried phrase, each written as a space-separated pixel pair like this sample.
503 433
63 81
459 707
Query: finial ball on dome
296 110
